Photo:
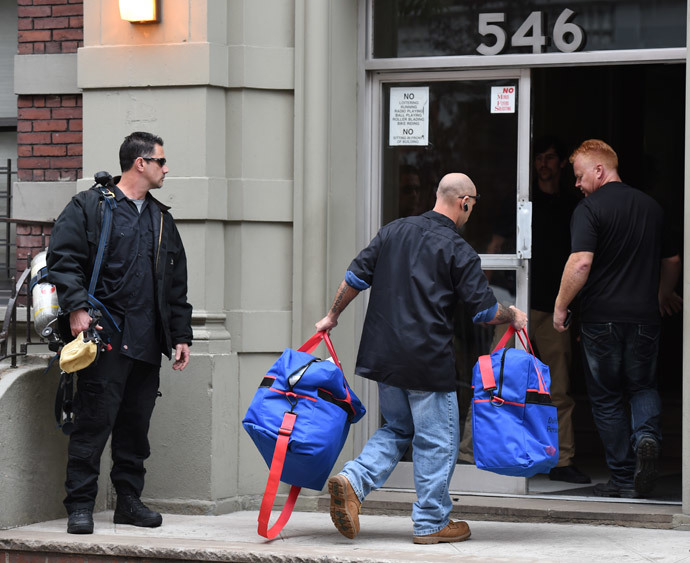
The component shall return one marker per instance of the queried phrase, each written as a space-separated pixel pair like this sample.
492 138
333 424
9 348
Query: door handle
524 229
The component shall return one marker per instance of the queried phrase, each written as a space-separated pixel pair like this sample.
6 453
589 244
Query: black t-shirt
550 244
419 269
623 227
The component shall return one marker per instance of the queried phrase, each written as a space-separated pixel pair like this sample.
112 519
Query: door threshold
541 496
587 498
641 513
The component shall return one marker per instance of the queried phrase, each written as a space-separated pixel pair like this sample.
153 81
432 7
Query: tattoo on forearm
337 308
504 314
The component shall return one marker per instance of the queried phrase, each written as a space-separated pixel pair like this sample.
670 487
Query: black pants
116 396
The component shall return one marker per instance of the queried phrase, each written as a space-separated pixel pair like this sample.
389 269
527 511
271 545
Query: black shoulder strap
108 203
109 198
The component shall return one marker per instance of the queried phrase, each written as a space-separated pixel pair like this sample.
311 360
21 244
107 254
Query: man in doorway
552 208
143 287
418 268
625 273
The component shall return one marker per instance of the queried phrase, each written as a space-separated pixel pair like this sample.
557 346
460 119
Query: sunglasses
161 161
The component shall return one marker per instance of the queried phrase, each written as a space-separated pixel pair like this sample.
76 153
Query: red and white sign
503 99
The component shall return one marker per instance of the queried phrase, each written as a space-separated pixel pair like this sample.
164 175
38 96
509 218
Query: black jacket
72 251
419 269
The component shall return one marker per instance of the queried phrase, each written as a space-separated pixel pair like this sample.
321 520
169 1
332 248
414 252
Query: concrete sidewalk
311 537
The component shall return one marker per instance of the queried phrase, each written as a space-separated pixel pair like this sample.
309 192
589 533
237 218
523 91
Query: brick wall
50 26
31 239
49 138
49 127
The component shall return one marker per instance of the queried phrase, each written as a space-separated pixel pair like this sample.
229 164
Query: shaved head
455 185
456 197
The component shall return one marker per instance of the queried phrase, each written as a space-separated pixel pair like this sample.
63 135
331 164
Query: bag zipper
500 376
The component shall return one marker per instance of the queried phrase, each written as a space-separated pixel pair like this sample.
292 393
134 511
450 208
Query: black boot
646 470
130 510
80 522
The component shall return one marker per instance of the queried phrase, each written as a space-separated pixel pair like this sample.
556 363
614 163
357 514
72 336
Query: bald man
419 269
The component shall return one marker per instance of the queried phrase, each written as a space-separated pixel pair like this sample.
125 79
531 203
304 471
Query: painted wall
220 82
8 47
33 451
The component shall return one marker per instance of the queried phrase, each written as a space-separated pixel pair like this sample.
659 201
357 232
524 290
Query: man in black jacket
141 291
418 269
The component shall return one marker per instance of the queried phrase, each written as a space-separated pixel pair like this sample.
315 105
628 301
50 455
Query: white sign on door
503 99
409 117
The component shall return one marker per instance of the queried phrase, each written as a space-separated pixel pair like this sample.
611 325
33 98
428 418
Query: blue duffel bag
514 422
299 420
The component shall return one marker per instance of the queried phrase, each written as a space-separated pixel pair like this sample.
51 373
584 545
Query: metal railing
6 174
13 288
8 335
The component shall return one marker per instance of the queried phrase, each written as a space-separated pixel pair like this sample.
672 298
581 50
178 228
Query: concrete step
563 509
310 537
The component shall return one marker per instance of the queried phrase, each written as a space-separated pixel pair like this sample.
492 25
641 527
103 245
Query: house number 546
567 36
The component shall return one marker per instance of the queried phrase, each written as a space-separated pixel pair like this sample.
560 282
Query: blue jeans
430 422
620 363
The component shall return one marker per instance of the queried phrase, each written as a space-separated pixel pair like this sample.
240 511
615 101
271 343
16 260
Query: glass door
423 126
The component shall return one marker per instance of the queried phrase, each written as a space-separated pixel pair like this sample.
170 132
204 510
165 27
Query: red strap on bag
274 480
278 460
486 369
507 336
310 345
542 383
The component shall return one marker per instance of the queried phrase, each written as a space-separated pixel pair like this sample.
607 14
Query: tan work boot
454 531
345 506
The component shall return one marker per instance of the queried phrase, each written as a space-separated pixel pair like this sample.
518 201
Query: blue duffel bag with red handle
514 422
299 420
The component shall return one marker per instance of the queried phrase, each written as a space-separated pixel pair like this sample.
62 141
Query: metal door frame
371 72
466 478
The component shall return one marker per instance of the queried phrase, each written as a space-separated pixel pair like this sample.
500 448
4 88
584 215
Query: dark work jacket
72 251
419 269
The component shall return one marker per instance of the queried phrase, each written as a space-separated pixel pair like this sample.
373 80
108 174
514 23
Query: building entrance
637 108
640 111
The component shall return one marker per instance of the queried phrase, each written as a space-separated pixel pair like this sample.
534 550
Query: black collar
441 218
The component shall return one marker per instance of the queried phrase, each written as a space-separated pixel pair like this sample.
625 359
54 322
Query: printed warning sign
409 117
503 99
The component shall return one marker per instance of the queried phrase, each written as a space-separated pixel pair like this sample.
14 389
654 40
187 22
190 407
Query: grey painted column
326 193
686 310
312 71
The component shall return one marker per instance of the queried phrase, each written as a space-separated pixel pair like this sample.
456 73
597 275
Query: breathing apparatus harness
87 346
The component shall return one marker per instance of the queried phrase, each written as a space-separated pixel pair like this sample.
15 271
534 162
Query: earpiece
465 207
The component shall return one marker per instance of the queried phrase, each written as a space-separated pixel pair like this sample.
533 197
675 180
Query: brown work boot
345 506
454 531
